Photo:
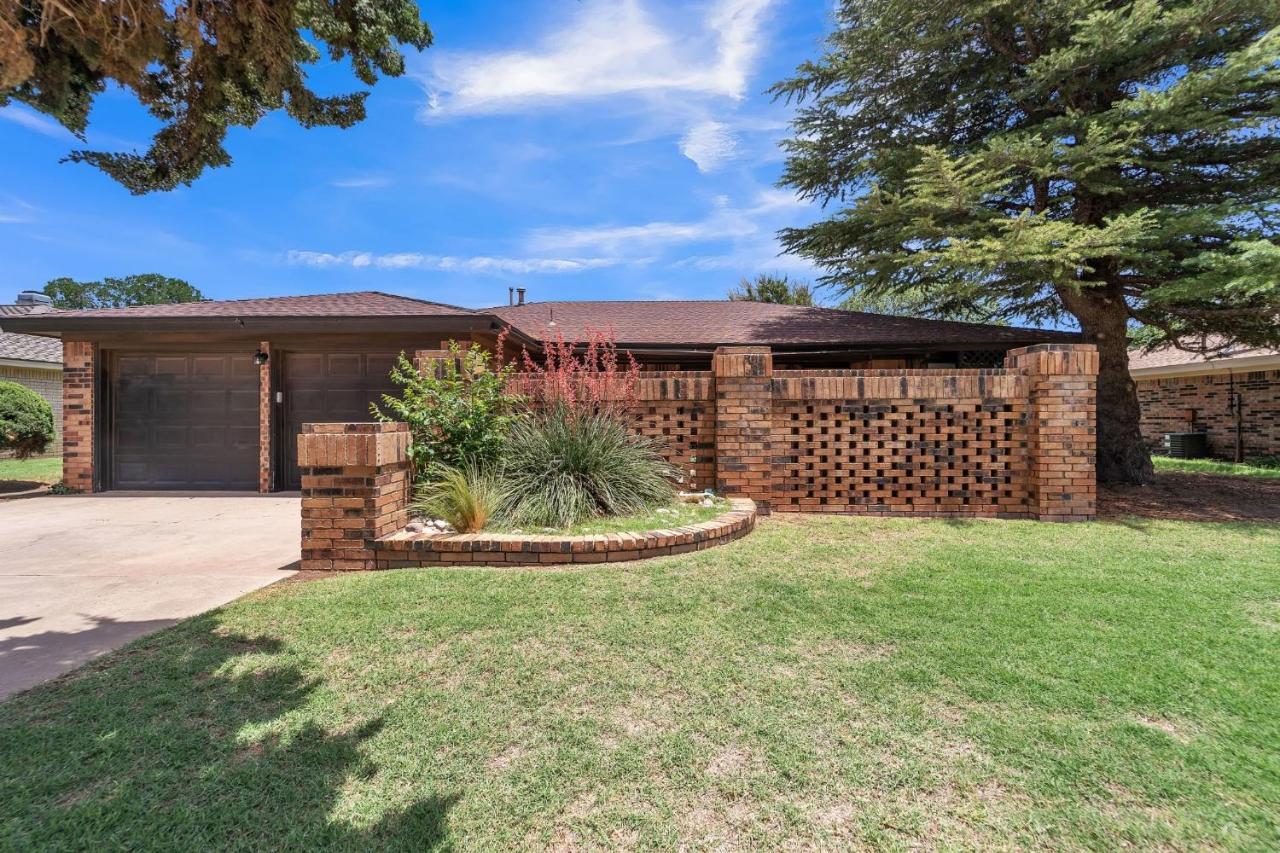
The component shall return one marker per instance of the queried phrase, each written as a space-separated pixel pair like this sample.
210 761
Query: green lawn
823 682
47 469
1213 466
662 518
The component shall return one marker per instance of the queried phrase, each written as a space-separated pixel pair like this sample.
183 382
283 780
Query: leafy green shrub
466 496
562 466
26 420
457 413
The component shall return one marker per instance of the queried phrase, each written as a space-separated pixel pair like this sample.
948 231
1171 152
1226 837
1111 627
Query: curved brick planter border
413 550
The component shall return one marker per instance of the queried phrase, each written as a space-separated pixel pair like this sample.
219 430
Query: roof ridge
417 299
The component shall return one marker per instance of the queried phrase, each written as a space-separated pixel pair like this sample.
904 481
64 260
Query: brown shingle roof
28 347
1171 357
365 303
710 323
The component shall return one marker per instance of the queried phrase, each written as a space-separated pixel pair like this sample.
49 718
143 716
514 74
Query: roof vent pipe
511 296
34 297
519 295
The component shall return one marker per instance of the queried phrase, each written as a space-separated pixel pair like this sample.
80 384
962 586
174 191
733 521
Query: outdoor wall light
260 358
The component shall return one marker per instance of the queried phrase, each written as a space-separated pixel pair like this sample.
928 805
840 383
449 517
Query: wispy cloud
445 263
709 145
15 211
610 48
34 121
361 182
767 210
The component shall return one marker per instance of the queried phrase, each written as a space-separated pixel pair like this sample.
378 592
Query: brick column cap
1055 359
372 427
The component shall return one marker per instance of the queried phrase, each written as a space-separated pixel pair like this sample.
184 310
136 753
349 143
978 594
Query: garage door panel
244 401
171 366
344 366
215 366
184 421
212 401
328 388
167 437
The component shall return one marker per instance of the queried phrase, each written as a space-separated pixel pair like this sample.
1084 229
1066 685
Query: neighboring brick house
33 361
212 395
1186 392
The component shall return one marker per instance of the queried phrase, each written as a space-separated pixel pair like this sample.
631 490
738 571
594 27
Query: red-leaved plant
583 377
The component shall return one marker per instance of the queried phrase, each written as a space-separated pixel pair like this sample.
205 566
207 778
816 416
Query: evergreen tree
1103 161
199 68
772 288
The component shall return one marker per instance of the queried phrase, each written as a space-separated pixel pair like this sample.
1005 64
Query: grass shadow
193 738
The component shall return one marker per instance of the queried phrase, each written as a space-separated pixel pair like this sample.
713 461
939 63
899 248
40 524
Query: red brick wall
78 383
677 407
355 488
1016 441
1200 404
915 442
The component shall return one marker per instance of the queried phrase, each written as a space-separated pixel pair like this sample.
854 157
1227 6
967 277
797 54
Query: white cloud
768 210
709 145
15 211
611 47
445 263
361 182
34 121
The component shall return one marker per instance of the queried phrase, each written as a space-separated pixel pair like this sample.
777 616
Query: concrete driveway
80 576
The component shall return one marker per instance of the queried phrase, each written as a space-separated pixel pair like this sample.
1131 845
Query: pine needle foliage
1089 162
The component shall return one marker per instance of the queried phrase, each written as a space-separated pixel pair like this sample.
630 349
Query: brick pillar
1062 431
79 363
744 411
266 391
355 487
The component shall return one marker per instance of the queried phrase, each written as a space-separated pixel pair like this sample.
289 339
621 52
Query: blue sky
579 148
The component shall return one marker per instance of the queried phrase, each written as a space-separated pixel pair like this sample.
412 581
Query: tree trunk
1122 454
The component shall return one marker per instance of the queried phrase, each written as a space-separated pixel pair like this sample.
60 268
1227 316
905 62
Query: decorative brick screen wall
1016 441
917 442
675 406
1201 404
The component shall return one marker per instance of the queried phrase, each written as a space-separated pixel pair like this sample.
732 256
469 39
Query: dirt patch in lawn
1194 497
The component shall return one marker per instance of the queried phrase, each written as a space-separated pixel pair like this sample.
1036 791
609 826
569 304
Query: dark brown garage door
329 388
184 421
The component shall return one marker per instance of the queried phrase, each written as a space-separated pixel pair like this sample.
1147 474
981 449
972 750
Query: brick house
32 360
211 395
1186 392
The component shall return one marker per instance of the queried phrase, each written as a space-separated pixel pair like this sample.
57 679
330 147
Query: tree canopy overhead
1109 162
144 289
199 68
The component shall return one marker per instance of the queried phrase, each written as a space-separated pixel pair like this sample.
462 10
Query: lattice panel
688 430
954 457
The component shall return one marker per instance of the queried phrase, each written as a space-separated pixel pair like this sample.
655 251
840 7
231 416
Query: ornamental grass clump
563 466
466 496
